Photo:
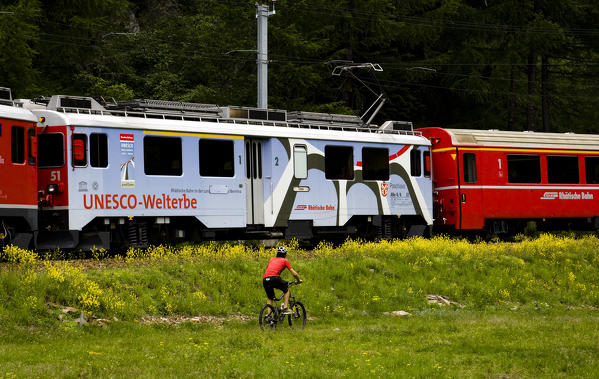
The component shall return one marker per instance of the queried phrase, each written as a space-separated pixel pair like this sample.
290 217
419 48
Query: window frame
415 162
99 144
63 148
155 172
538 160
587 168
470 173
216 141
328 161
365 165
19 142
551 170
304 162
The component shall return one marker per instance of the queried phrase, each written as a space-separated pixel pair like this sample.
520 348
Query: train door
470 196
253 181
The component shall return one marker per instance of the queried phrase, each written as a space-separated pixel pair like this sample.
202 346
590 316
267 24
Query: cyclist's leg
286 298
270 292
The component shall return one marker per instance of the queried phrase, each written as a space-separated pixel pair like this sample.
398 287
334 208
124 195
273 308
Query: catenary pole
262 13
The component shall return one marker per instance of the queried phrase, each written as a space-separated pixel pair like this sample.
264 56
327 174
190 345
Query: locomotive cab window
592 169
79 149
339 162
50 150
562 169
469 161
300 162
17 144
98 150
523 168
216 158
415 162
375 163
162 156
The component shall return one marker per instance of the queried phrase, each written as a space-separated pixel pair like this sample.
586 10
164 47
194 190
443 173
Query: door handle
463 198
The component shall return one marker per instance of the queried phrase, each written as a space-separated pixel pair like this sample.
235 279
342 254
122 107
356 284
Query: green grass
526 309
430 344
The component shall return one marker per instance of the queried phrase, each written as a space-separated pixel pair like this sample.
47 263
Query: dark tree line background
485 64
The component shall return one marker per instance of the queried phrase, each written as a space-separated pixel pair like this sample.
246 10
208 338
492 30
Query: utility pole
262 13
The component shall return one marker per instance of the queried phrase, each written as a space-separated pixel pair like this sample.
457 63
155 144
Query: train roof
176 118
14 111
523 139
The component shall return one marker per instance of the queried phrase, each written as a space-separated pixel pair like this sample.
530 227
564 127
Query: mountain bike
271 315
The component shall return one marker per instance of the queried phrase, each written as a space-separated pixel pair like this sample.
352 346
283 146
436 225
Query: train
81 173
501 181
144 172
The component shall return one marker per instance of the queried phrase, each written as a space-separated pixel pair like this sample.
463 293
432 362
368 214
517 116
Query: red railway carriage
18 177
498 180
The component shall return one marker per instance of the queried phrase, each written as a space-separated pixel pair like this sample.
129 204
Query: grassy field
526 309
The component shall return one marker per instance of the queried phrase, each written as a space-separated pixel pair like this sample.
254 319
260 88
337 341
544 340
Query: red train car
18 176
500 180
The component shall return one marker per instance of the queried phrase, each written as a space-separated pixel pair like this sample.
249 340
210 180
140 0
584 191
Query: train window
339 162
427 163
592 169
375 163
469 160
562 169
31 146
17 145
300 162
79 150
523 168
248 158
98 150
216 158
50 150
162 156
415 162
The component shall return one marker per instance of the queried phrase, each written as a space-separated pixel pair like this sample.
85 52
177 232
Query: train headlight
53 189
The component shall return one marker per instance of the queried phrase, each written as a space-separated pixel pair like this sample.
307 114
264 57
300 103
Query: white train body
236 177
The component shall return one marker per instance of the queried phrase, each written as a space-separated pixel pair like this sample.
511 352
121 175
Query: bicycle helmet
281 251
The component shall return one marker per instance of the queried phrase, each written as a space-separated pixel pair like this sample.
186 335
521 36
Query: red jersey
275 266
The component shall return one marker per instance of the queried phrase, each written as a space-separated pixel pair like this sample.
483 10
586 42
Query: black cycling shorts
272 282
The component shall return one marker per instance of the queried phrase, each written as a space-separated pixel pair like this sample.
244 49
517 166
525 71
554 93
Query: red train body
498 180
18 175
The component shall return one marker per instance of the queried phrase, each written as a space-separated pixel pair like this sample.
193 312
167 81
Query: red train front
499 180
18 177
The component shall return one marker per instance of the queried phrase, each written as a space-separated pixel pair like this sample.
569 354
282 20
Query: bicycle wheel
298 318
267 319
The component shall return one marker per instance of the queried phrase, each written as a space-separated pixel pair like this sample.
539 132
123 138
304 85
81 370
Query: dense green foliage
505 64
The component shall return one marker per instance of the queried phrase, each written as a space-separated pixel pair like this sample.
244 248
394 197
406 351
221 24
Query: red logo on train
384 189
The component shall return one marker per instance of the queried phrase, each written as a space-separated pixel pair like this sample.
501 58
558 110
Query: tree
19 37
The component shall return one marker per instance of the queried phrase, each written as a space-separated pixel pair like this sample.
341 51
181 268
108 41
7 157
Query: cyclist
272 278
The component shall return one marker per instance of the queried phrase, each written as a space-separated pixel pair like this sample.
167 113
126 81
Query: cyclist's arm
295 274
